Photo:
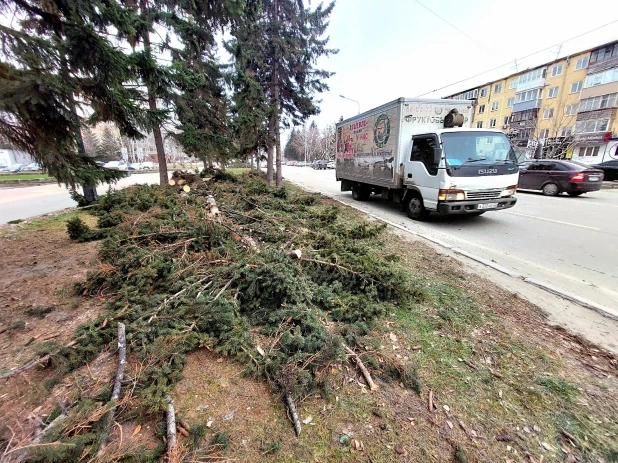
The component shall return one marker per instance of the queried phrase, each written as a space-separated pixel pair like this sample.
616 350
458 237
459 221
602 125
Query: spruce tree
290 151
279 50
58 64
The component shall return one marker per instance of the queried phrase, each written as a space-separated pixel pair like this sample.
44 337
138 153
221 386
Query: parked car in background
117 165
15 168
319 164
4 168
150 165
136 165
553 177
33 167
609 168
330 165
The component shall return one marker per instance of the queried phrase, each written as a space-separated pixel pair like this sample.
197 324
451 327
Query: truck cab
459 171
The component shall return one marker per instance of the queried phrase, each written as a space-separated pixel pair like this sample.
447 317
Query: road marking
551 220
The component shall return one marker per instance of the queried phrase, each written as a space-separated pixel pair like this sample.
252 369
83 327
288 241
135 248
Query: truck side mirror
437 155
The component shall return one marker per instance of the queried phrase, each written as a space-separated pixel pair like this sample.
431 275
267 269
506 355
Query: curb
609 186
605 311
602 310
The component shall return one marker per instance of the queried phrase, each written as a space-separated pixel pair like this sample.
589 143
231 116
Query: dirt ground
482 371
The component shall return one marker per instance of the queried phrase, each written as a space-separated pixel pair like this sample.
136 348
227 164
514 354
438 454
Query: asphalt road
570 243
25 202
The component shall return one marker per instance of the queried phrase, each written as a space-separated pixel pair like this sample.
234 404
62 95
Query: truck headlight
451 195
508 191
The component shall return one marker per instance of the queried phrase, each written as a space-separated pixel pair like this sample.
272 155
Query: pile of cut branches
274 279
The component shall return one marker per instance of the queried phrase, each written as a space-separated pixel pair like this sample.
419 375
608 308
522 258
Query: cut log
108 420
296 254
293 413
212 206
172 182
361 366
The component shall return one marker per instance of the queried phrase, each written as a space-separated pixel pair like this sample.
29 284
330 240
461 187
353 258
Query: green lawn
22 177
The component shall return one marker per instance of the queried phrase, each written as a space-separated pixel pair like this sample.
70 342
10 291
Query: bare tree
557 135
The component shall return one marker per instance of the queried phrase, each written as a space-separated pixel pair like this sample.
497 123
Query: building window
513 83
592 126
544 133
510 102
598 102
532 75
604 53
479 125
527 96
483 92
581 63
548 113
506 120
588 151
576 87
497 88
570 110
494 106
492 123
605 77
566 132
481 109
553 92
557 70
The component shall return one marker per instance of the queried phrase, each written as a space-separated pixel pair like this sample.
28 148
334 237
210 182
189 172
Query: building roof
588 50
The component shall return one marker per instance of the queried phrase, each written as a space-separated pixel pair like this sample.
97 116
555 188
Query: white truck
422 153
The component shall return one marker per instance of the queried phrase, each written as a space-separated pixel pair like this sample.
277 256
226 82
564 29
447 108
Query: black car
319 164
553 177
609 168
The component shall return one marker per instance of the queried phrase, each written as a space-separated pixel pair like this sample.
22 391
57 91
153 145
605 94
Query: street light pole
357 103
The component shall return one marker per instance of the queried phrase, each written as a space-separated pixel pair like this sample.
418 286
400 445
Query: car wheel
415 209
575 193
551 189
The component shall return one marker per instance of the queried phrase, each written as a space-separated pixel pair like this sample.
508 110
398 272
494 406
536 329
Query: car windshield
478 147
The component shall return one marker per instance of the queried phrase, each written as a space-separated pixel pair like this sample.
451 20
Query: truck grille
484 194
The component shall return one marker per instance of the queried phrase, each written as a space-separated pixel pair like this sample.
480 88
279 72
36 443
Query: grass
4 178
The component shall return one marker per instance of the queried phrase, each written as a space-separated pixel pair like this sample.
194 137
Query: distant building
568 105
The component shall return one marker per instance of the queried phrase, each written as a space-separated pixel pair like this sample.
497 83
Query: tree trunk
271 148
152 104
90 191
278 146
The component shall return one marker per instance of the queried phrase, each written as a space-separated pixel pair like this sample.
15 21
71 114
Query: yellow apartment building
567 105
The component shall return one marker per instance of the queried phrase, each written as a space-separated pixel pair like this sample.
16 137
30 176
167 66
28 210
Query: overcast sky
394 48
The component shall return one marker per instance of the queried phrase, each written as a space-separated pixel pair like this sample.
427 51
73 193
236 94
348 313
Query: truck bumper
472 207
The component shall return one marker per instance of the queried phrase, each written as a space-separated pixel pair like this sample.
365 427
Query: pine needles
180 279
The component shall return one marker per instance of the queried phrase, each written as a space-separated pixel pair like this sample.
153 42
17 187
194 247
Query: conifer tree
58 65
279 50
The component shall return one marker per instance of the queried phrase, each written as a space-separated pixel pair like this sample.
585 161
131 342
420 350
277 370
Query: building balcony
526 105
536 83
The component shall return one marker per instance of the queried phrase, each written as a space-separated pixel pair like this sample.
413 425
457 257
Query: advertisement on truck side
366 147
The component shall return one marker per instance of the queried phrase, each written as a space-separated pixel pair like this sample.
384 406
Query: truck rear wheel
360 193
415 208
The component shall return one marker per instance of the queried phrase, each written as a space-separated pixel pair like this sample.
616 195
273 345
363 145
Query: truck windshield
476 147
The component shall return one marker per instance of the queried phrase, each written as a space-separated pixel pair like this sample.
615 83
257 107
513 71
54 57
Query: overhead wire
453 26
521 58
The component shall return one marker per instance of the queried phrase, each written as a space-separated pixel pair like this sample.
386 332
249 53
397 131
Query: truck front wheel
415 209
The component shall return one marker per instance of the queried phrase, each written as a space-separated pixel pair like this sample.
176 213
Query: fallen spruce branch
361 366
34 362
122 362
172 451
293 413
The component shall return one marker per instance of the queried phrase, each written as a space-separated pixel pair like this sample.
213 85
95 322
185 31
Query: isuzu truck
422 153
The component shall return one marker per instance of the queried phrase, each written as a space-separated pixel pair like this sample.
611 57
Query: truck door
421 169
